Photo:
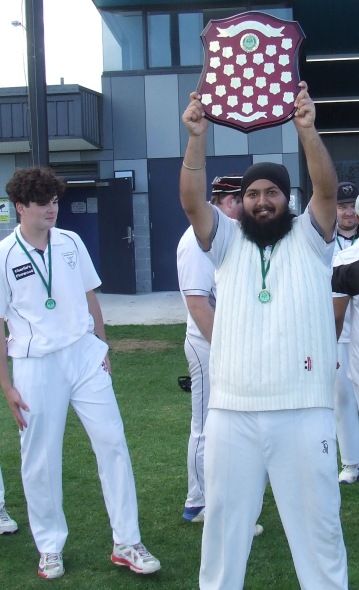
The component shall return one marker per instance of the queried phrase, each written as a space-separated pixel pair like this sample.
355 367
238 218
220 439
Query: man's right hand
194 116
16 404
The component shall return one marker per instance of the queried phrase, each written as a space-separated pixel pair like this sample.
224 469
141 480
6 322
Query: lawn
146 361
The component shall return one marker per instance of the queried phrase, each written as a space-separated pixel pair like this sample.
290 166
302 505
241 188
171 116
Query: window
123 47
276 9
174 39
140 40
159 41
190 28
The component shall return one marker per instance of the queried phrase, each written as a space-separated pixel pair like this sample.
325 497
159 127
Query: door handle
130 236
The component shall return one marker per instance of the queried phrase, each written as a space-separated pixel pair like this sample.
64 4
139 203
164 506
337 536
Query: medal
264 296
50 303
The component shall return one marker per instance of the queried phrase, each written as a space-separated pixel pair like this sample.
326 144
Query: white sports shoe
51 565
7 524
136 557
349 474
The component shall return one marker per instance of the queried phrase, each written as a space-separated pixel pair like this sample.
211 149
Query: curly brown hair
35 185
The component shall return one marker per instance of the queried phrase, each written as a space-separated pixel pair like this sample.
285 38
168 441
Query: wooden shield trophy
250 75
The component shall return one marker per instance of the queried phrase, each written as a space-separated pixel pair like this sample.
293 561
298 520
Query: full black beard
268 233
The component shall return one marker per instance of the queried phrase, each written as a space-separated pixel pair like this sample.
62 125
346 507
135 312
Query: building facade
125 165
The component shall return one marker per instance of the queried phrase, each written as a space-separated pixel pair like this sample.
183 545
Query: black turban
277 173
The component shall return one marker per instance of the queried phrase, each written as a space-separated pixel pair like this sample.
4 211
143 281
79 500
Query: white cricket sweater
281 354
195 276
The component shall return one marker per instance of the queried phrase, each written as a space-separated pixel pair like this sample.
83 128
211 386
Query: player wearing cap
345 403
346 280
7 524
59 356
272 364
198 288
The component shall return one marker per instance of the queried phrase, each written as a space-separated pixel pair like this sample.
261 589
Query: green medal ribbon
339 244
264 295
50 303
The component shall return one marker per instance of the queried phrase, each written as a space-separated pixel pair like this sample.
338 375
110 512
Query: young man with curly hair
59 353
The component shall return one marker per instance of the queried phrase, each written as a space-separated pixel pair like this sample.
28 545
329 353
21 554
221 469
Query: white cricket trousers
48 385
197 353
296 450
346 410
2 491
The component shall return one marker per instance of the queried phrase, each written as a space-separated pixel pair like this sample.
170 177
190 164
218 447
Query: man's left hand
305 114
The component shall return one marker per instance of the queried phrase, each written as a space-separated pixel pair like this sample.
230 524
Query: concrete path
164 307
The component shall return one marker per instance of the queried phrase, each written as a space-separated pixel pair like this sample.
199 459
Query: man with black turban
273 362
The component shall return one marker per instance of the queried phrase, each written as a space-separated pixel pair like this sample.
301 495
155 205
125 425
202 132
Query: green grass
156 415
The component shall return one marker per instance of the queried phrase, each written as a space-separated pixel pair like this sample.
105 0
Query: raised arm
345 279
320 166
193 181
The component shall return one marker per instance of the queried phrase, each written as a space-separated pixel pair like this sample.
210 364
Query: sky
73 43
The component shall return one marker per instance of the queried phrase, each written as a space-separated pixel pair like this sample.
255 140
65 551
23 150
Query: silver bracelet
191 167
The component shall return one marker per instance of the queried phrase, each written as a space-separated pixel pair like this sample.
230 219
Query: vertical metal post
39 140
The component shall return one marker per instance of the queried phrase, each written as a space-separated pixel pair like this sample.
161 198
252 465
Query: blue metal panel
106 168
162 116
107 116
12 120
291 162
90 116
289 138
72 112
17 120
62 122
276 158
128 110
229 141
186 84
266 141
74 117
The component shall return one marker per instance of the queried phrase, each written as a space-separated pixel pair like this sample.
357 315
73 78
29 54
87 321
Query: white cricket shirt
281 354
195 275
342 243
34 329
347 256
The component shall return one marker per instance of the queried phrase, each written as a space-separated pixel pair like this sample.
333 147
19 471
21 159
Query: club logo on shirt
70 258
308 364
325 447
23 271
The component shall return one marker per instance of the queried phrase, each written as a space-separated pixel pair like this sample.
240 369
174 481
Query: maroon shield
250 74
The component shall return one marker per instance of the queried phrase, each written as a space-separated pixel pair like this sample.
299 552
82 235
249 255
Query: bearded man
273 362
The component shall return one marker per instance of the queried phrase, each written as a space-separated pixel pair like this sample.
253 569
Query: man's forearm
202 314
345 279
96 312
320 165
193 187
193 180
